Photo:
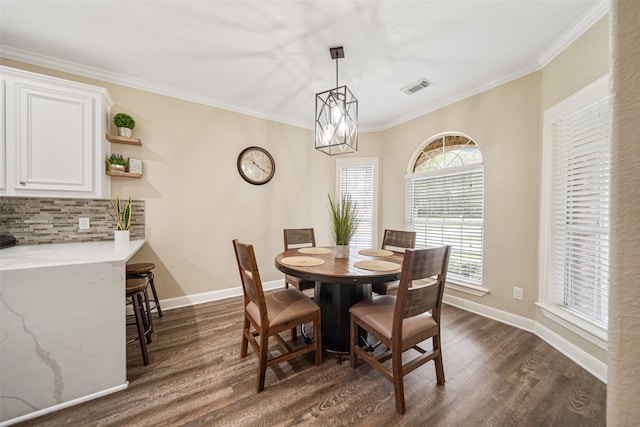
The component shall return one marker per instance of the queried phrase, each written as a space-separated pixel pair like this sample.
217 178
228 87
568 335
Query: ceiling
269 58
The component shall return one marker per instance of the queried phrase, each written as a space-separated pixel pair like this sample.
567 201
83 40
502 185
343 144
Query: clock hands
257 165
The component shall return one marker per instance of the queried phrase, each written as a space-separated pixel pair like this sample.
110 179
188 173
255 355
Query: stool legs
149 276
155 294
146 319
138 312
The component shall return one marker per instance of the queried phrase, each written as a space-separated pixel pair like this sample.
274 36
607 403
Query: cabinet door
54 140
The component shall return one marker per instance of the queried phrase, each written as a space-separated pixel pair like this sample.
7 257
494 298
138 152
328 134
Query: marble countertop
59 254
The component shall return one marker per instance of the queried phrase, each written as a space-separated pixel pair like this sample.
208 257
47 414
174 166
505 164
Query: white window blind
579 217
358 178
445 207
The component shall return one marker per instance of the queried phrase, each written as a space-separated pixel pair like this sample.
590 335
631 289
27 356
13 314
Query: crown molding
593 15
9 52
458 97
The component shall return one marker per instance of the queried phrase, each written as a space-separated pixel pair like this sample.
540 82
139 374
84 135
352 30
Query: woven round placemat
302 261
375 252
315 251
377 265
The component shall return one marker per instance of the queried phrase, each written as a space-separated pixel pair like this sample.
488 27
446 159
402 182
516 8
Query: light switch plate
84 224
518 293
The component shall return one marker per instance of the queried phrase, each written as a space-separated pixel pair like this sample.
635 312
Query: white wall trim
587 20
63 405
188 300
467 289
492 313
591 364
132 82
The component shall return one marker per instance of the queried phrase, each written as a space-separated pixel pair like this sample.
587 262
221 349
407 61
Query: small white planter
341 251
124 132
121 236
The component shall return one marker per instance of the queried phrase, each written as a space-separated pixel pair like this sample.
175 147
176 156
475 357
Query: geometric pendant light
336 127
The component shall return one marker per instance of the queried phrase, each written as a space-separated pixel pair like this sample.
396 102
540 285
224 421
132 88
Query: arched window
445 193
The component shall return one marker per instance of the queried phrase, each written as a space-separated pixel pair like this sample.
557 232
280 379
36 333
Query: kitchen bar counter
62 323
59 254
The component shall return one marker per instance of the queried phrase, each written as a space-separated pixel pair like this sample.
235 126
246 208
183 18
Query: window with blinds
444 203
358 178
578 208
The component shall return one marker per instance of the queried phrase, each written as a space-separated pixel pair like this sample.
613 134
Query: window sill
467 289
575 324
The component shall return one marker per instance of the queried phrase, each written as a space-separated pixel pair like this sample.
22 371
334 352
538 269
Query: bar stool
144 270
137 295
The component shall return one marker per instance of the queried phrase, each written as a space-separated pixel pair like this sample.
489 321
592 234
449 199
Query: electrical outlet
83 224
518 293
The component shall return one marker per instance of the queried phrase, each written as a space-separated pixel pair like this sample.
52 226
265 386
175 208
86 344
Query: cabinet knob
23 183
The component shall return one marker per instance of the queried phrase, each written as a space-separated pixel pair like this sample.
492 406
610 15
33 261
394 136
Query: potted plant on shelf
124 123
344 221
116 163
121 214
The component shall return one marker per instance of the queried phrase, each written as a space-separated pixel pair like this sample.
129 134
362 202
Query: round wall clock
256 166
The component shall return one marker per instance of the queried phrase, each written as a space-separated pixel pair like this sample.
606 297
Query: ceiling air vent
416 86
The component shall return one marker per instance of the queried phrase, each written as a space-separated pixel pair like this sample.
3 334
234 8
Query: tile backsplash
37 220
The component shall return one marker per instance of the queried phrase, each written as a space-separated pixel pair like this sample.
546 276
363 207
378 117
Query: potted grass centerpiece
121 214
344 221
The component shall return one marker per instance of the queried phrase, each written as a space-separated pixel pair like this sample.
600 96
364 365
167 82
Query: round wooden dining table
340 283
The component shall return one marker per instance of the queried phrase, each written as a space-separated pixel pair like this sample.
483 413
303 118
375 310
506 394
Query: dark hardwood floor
496 375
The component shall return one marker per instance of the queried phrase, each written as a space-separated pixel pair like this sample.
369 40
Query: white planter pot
121 236
124 132
341 251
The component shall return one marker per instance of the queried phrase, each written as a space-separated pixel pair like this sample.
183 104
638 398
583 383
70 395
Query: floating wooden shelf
124 174
123 140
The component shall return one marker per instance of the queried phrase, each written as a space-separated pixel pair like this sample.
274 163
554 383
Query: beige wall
197 203
506 123
585 61
624 307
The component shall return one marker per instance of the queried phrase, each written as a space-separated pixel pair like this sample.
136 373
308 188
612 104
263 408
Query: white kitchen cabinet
54 136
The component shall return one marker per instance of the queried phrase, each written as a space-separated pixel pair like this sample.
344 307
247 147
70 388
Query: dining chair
394 240
402 322
296 238
272 313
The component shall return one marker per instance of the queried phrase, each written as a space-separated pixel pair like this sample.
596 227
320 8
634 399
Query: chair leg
438 360
398 381
353 338
137 310
317 327
294 333
262 361
246 329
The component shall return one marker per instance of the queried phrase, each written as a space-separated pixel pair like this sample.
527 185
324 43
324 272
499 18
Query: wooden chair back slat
422 264
399 239
251 283
298 238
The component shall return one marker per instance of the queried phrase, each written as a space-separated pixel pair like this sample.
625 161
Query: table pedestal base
334 300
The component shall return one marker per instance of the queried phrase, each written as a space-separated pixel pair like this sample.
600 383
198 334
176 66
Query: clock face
256 165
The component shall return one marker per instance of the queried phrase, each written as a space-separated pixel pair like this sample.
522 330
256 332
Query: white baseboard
187 300
591 364
60 406
492 313
594 366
